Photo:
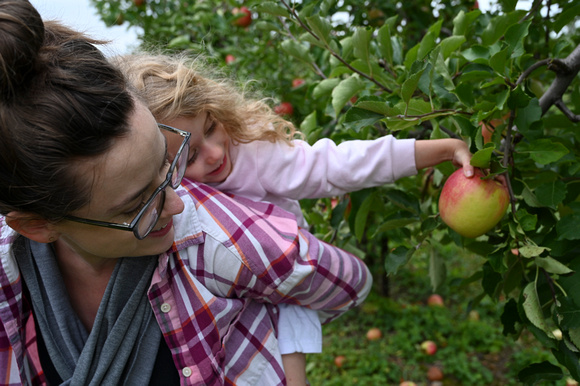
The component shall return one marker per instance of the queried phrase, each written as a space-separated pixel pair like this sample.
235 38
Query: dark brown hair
61 103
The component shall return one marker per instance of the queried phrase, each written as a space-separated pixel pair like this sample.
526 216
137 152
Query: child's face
209 156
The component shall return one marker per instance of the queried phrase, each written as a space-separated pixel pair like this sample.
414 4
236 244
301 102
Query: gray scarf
122 346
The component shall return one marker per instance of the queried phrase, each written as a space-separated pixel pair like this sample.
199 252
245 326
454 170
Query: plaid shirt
213 293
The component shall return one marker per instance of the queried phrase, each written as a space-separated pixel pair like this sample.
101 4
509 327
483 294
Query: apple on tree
244 20
284 108
472 206
230 58
297 82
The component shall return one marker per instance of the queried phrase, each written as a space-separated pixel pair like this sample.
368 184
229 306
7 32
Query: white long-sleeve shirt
282 174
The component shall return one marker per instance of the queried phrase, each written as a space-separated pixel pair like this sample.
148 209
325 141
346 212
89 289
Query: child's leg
295 368
299 332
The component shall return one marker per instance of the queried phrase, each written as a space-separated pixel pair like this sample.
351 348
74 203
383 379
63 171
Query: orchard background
423 69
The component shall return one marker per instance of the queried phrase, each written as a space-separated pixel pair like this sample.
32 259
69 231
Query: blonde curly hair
176 86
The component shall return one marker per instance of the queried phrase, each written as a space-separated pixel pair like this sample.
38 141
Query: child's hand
462 157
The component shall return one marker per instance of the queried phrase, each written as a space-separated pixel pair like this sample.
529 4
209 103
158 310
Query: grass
471 347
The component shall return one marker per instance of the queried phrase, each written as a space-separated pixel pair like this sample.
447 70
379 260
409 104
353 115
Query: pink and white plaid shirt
214 293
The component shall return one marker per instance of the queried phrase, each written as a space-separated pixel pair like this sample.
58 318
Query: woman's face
121 181
209 155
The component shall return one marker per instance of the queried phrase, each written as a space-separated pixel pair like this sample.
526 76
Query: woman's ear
32 227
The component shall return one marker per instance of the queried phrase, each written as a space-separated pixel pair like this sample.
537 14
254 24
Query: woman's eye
135 210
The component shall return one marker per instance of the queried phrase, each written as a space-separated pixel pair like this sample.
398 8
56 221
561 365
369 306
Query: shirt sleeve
256 250
326 169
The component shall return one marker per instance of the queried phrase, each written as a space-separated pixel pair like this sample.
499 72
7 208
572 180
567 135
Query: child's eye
211 129
192 157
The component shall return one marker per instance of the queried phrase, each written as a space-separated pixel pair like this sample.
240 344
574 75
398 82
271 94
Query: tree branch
566 70
569 114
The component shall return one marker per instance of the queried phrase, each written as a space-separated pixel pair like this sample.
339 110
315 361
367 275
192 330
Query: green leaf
410 84
451 44
325 87
569 313
568 358
427 44
404 200
552 265
482 158
490 280
309 123
526 220
498 61
544 151
385 44
395 259
179 41
463 21
551 193
529 114
565 18
514 37
394 224
540 371
437 270
297 50
568 227
321 28
271 8
362 215
531 250
498 26
464 92
361 40
345 90
357 119
510 317
476 53
532 307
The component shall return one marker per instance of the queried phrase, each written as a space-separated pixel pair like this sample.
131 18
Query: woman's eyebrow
142 191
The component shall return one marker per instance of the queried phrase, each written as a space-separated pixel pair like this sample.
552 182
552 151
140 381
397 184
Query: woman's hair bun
21 37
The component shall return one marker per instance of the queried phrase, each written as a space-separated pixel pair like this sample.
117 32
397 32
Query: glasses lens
180 167
151 215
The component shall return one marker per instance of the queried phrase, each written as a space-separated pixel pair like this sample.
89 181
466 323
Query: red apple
138 3
435 301
429 347
230 59
297 82
472 206
434 374
284 108
244 20
339 361
407 383
374 334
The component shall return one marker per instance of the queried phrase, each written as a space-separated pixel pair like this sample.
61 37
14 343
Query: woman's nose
173 203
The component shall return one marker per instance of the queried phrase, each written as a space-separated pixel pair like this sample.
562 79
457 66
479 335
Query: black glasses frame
133 225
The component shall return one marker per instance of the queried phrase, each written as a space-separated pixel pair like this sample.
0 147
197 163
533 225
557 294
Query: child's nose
213 152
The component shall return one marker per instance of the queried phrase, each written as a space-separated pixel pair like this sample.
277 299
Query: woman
111 272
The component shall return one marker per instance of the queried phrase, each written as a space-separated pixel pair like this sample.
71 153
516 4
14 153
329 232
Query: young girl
240 146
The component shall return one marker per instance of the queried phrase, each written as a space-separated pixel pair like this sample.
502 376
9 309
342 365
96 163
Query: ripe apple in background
429 347
245 20
435 301
434 374
472 206
230 59
339 360
284 108
407 383
297 82
571 382
374 334
138 3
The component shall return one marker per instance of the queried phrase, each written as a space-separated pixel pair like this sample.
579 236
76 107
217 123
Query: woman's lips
163 231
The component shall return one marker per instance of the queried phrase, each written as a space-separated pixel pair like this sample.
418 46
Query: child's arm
431 152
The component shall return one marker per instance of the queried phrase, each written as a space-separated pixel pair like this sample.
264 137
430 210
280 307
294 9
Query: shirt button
186 371
165 307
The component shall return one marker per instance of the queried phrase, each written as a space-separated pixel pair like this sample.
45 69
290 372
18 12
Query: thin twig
531 69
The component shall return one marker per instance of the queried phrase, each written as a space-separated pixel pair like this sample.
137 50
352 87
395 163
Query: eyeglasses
148 216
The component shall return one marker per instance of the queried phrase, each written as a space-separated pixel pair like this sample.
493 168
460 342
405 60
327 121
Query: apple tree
424 69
